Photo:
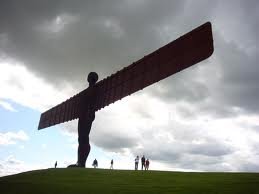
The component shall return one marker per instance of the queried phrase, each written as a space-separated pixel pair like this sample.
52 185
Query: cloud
11 165
12 137
114 37
250 167
11 160
7 106
210 148
23 87
168 137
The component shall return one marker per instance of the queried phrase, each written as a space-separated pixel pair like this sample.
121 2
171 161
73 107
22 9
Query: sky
204 118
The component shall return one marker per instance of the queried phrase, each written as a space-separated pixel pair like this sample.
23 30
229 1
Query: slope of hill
76 181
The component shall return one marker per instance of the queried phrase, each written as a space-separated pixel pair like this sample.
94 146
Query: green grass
76 181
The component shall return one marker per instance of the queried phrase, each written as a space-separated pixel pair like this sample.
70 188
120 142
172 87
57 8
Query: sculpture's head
92 78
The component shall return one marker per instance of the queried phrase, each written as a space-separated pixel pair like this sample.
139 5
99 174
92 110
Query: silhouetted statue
56 163
176 56
86 117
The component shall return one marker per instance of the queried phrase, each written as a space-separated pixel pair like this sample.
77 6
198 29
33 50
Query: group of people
144 163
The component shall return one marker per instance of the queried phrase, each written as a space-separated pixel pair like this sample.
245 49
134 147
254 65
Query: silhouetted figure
136 163
95 163
147 164
86 117
143 160
111 164
56 163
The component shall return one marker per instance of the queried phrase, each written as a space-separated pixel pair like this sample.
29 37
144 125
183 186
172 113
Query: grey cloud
232 92
250 167
210 149
90 44
187 142
240 81
174 152
12 161
86 45
199 162
114 142
109 135
70 127
159 151
13 81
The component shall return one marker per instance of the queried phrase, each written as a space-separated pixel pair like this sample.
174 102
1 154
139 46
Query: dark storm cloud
104 37
240 78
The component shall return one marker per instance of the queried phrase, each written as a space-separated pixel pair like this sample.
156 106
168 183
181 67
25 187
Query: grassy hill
76 181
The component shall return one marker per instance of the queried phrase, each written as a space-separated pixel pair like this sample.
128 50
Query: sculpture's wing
185 51
66 111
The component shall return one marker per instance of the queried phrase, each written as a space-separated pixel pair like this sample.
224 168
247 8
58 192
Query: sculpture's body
84 127
176 56
86 118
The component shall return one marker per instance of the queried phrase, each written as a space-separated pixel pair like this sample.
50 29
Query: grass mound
76 181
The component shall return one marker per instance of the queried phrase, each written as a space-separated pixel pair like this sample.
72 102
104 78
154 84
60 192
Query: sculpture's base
74 166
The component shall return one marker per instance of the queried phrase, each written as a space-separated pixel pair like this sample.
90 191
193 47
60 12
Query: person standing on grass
56 164
143 160
95 163
147 164
111 164
136 163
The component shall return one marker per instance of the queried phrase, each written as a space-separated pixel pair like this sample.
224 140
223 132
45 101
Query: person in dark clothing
147 164
95 163
143 160
56 163
111 164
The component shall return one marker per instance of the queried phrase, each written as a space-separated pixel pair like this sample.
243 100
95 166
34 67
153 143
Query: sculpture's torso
86 113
